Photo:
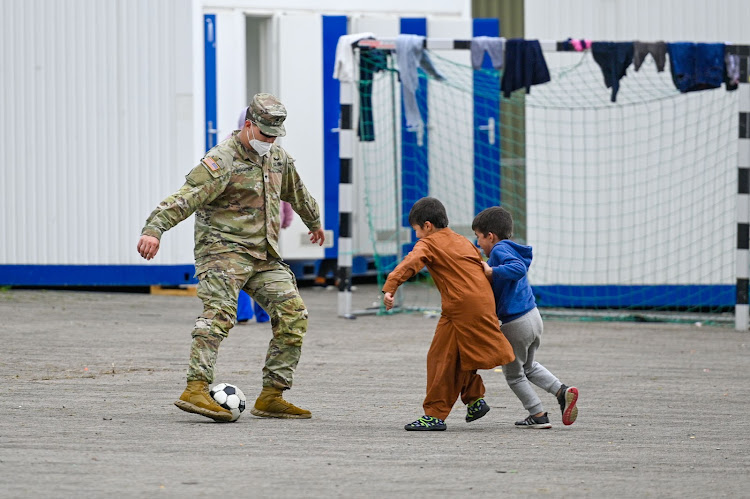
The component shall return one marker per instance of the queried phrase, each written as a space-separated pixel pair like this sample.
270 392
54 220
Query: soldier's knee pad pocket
295 306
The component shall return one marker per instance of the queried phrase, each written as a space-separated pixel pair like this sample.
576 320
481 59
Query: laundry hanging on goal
495 48
370 62
614 59
343 68
524 66
697 66
658 51
410 54
574 44
694 66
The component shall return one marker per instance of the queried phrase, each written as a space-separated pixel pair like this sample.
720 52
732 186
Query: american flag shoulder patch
210 164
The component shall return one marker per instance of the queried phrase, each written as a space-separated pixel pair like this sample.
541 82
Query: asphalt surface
89 380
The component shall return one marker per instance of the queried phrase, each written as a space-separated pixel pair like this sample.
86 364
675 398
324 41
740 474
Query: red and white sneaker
567 399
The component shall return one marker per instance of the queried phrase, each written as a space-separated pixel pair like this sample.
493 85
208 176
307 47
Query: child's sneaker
567 399
476 410
426 423
537 423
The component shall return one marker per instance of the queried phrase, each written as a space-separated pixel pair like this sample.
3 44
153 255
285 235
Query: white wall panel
155 89
300 57
230 70
391 7
89 143
668 20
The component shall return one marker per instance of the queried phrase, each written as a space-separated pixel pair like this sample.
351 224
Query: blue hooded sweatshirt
510 263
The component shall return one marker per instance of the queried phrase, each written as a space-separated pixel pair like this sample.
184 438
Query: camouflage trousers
272 284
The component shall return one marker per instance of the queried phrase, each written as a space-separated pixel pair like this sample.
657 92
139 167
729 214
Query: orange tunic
468 305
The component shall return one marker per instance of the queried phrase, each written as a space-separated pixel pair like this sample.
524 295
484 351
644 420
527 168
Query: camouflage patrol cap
268 113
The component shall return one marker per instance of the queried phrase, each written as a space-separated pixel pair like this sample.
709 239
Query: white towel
343 69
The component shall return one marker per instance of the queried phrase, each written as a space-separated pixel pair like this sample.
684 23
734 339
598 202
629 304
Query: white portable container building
108 104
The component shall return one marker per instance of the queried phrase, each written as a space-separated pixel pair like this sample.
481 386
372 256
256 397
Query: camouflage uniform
236 194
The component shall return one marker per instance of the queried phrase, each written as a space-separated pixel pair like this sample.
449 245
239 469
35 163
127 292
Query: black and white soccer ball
229 397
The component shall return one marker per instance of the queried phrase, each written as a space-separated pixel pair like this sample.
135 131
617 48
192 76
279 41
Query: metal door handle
211 133
490 127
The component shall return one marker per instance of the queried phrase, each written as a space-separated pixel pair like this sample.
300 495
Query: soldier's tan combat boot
197 400
270 405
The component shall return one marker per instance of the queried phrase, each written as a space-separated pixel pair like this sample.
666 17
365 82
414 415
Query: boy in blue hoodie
521 322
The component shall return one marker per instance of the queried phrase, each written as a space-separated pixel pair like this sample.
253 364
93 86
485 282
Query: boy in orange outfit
467 336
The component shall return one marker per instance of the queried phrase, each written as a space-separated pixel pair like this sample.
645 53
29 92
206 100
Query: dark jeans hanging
371 61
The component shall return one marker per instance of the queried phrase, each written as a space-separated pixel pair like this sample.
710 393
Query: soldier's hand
148 246
388 301
317 236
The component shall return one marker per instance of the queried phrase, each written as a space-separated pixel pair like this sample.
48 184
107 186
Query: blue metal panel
96 275
333 28
616 296
209 33
486 113
415 168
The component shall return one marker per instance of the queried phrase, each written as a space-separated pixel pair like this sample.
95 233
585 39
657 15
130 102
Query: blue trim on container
303 269
96 275
139 275
415 168
363 265
604 296
616 296
209 36
333 28
486 105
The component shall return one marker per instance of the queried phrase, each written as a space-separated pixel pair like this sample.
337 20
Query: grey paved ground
88 381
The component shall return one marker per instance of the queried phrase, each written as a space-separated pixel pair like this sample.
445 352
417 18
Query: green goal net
630 206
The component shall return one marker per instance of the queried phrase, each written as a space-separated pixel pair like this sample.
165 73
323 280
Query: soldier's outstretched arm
201 187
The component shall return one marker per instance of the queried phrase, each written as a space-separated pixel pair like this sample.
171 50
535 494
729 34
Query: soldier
235 192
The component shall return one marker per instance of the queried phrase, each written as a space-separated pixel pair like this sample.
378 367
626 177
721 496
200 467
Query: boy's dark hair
496 220
428 210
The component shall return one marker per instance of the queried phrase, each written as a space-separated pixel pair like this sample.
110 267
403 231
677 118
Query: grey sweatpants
525 336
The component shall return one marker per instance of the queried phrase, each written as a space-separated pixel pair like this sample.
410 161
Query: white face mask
262 148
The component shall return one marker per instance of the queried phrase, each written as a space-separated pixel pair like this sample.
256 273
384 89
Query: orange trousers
445 379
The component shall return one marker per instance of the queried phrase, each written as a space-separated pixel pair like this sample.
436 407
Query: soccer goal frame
348 146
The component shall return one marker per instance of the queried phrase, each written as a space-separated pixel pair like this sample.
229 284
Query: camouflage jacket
236 196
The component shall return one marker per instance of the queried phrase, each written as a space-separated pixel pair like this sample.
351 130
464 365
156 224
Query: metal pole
396 176
346 155
741 308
